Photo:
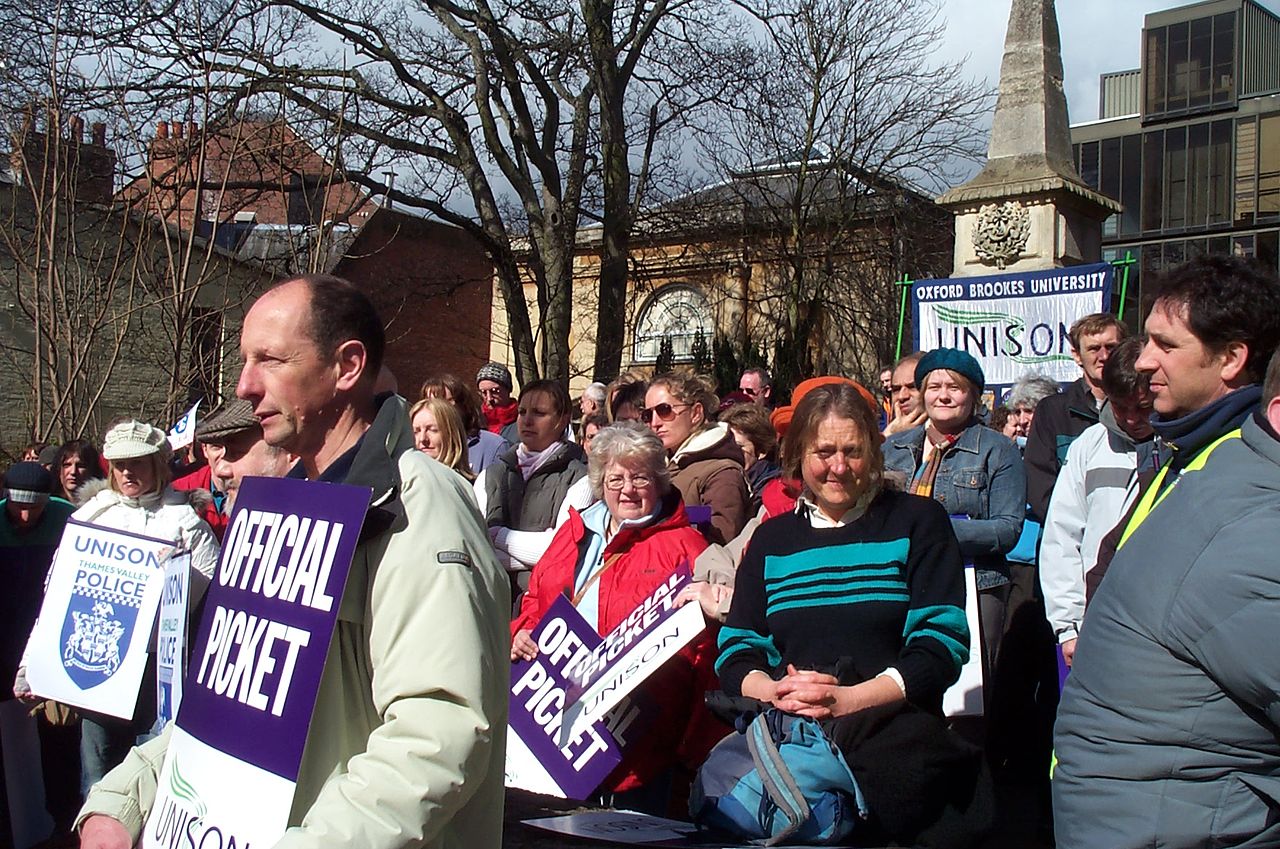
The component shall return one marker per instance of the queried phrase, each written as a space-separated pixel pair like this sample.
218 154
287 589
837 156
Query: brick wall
432 285
197 174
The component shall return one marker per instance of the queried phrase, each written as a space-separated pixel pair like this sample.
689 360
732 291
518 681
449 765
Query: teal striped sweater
885 590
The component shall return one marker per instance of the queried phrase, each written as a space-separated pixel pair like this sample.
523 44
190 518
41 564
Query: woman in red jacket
607 559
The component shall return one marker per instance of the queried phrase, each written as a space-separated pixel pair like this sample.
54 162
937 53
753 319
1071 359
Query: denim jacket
981 477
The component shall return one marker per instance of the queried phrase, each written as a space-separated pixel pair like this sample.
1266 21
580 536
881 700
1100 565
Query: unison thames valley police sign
1011 323
89 646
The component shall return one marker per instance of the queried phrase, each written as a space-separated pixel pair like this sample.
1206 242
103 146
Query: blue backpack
780 780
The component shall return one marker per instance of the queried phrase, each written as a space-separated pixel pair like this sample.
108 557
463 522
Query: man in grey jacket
1169 729
406 745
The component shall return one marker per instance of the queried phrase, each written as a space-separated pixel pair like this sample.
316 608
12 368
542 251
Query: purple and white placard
650 636
256 662
544 754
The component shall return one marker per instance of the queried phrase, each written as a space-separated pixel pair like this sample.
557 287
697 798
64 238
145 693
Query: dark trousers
60 762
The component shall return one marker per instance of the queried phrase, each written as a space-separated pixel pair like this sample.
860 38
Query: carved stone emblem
1001 232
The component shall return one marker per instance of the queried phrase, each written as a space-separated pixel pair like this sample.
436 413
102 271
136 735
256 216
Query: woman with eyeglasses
705 462
850 610
607 559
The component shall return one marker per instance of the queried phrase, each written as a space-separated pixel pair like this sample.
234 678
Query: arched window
678 313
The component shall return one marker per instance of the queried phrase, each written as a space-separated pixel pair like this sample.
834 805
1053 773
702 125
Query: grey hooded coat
1169 729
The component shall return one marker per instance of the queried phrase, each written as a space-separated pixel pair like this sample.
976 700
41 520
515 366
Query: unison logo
179 824
986 333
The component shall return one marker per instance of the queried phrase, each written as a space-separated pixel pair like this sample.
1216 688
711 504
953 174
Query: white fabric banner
1012 323
89 645
184 430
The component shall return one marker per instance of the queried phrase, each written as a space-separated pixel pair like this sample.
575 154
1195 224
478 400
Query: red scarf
496 418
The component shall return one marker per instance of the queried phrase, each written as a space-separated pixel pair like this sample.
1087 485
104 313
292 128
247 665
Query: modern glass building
1190 142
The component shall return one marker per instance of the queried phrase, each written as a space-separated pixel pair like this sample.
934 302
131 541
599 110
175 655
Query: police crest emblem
96 635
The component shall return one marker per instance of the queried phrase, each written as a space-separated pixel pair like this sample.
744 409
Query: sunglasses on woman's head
665 412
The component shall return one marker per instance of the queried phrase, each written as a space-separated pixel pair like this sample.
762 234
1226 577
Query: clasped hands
816 695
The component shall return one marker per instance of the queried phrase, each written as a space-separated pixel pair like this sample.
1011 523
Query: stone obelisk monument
1028 209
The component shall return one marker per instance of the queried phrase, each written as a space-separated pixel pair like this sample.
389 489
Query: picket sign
88 648
571 704
256 660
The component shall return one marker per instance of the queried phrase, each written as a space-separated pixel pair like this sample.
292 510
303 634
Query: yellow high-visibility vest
1157 491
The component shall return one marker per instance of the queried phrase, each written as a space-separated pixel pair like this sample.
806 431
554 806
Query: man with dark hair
1212 327
340 311
1059 419
757 383
908 408
1094 490
1167 732
406 744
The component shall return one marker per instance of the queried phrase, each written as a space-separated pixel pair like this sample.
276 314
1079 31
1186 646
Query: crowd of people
828 540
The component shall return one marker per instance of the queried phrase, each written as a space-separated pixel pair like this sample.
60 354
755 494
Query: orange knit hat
781 417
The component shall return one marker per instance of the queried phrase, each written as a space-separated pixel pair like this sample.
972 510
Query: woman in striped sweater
850 610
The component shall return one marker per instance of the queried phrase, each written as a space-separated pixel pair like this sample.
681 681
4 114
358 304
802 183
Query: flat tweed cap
234 418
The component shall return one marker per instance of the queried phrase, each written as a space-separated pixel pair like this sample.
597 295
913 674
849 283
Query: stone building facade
729 266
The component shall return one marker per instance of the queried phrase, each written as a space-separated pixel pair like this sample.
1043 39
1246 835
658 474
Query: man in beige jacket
407 743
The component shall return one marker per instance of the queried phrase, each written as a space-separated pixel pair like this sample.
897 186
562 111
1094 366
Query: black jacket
1059 419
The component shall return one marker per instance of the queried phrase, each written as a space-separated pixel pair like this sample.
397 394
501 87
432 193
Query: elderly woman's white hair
633 445
1030 390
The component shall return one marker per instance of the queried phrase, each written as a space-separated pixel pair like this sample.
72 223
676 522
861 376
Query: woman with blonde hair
483 447
706 464
439 432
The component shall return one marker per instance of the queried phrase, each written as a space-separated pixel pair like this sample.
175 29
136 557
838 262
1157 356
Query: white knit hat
131 439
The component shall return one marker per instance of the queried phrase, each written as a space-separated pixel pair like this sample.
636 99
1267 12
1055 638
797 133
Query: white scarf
530 461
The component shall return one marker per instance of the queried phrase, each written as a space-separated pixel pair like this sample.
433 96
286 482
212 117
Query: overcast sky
1097 36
